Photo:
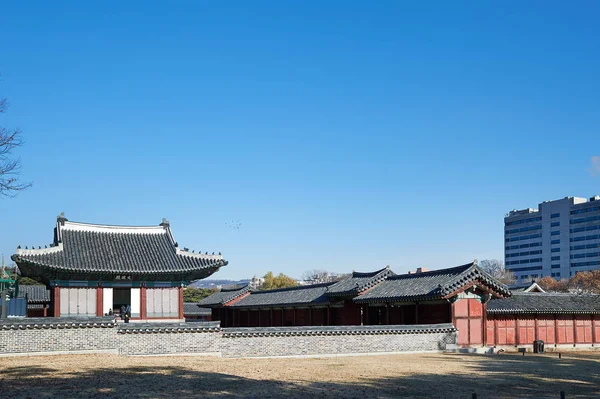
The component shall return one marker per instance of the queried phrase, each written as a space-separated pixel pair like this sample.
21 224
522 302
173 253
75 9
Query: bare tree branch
10 167
496 269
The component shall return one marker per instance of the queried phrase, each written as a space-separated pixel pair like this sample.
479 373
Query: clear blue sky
340 135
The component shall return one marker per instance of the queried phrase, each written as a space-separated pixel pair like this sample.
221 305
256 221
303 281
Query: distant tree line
584 282
191 294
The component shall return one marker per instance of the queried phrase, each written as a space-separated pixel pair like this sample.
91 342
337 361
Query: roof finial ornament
61 218
165 223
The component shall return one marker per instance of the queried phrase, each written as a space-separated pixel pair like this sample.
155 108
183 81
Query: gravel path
393 376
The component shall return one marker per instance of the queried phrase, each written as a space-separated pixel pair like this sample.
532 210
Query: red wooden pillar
99 301
143 303
181 302
517 335
556 330
484 324
496 331
594 337
575 337
56 301
45 311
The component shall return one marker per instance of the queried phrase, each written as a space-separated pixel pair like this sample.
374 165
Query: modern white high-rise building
558 239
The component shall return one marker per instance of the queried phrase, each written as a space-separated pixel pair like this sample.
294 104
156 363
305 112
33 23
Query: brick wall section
100 334
48 335
172 338
303 345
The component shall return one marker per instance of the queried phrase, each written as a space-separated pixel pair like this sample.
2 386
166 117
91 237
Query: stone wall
335 340
180 338
48 335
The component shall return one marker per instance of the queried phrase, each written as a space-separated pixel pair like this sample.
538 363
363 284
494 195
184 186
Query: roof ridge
237 288
109 228
465 267
571 294
294 288
369 274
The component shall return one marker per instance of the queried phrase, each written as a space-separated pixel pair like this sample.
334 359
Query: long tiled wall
48 335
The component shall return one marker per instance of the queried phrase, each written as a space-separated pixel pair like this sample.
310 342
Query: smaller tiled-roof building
456 295
193 311
38 299
559 319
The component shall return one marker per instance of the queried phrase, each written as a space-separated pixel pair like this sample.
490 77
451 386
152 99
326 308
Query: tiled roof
225 295
531 287
431 285
36 323
310 295
149 253
358 283
193 309
248 332
549 303
160 328
34 293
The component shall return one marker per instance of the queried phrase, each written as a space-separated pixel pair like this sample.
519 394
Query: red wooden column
575 335
56 301
484 324
143 301
181 302
99 301
556 330
594 337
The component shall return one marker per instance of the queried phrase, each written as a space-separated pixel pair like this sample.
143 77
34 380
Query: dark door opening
121 297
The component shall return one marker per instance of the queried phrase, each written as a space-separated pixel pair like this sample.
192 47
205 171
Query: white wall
77 301
135 302
107 300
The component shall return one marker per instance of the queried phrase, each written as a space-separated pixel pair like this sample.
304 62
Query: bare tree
9 167
495 268
318 276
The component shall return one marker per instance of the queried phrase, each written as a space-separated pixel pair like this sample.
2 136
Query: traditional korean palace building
92 269
484 311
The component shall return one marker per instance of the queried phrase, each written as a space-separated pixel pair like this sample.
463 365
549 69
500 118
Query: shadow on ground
492 376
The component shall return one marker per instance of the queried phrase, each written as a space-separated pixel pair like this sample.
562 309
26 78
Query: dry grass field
407 376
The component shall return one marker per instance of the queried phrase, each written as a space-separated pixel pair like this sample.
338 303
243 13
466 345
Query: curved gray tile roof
545 303
430 285
34 293
147 252
193 309
225 295
358 282
310 295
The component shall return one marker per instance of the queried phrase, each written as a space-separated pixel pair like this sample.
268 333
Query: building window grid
586 210
536 219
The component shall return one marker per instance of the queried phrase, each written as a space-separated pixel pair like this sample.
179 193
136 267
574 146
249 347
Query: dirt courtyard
390 376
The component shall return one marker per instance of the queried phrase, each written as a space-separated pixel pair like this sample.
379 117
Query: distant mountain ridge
213 283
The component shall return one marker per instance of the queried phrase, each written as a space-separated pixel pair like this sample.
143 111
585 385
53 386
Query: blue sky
336 135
